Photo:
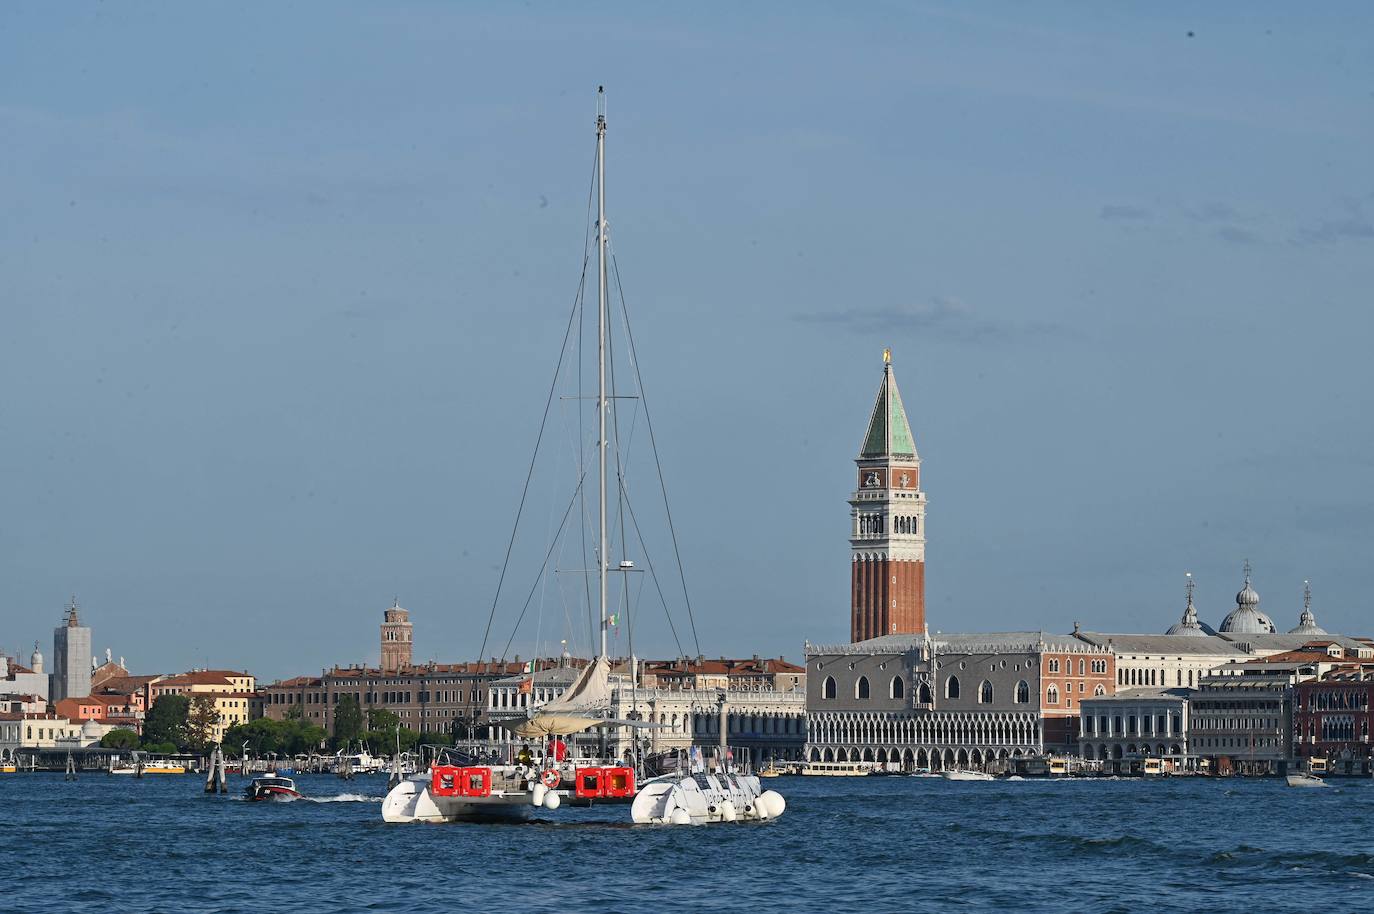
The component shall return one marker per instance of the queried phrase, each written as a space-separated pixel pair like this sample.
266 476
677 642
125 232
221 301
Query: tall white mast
601 402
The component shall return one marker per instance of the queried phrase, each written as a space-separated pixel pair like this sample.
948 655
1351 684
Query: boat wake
345 798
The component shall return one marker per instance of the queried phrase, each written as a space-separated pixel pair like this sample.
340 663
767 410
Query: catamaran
462 787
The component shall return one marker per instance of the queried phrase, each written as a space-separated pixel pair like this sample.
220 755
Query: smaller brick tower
887 536
396 642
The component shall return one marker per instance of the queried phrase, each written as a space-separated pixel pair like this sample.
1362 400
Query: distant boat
271 787
1306 780
959 774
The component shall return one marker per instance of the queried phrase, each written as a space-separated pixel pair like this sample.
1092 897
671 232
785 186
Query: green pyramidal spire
889 433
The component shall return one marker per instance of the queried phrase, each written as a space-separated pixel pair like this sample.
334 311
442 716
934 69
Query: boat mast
601 402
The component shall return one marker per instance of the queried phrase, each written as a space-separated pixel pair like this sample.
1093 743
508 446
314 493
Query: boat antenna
601 401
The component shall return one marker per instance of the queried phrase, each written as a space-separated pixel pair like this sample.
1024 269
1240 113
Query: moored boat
701 798
960 774
271 787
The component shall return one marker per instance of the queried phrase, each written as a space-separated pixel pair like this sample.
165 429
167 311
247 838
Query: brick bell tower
396 639
887 524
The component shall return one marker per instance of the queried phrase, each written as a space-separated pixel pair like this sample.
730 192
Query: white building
1124 729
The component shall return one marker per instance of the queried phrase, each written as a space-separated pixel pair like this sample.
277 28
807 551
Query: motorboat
453 791
1306 780
962 774
271 787
703 797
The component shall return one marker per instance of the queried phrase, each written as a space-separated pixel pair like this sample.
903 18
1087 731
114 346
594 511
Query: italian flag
529 667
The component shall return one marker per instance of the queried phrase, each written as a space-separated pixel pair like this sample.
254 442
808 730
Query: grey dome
1246 618
1307 622
1189 624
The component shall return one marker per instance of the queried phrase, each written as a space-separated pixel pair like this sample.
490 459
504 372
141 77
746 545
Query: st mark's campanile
887 524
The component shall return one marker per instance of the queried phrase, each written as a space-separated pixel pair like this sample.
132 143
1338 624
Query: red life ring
551 778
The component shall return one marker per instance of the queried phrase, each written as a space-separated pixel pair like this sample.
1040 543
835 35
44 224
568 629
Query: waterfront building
1241 718
16 679
944 701
1120 731
71 657
750 716
1332 718
20 731
230 690
397 638
887 524
434 697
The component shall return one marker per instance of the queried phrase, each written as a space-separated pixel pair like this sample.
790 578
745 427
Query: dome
1246 619
1307 622
1189 624
91 730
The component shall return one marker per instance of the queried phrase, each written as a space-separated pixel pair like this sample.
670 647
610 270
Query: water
845 844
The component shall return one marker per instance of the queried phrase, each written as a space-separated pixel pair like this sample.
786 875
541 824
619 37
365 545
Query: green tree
348 720
295 712
119 738
201 719
166 720
380 720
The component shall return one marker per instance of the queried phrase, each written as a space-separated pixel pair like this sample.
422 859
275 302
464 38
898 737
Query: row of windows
1342 700
1098 666
1138 677
986 694
1148 724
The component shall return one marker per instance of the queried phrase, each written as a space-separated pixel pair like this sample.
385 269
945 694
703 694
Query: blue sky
283 287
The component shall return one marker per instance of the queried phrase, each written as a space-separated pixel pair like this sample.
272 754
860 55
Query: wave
345 798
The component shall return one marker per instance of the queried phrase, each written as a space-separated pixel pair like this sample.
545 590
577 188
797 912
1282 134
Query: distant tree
119 738
166 721
159 748
348 720
201 719
295 712
380 720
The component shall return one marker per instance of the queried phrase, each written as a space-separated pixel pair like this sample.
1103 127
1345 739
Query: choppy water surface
866 844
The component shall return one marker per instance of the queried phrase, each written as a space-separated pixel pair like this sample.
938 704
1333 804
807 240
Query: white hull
700 799
1305 780
957 775
412 801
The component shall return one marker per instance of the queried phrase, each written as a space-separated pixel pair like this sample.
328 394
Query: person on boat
557 749
525 756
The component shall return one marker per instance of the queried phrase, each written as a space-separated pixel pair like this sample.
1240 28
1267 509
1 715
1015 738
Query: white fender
679 816
551 800
727 812
773 802
538 794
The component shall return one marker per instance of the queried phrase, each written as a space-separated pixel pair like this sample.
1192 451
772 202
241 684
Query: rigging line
553 385
649 564
539 577
653 445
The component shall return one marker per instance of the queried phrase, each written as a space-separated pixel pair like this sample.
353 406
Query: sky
282 289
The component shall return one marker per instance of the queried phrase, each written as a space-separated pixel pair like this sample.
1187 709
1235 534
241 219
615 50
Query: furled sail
590 692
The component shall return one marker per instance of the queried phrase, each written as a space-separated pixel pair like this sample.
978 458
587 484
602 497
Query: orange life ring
551 778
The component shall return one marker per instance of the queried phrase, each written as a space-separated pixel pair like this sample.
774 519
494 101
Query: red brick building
1332 718
887 524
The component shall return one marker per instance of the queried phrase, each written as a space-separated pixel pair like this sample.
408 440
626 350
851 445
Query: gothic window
898 687
925 693
1098 690
952 687
1022 692
861 687
829 687
1080 667
1054 666
1052 695
985 693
